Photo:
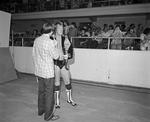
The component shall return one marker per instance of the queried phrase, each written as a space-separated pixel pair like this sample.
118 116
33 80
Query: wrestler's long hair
58 23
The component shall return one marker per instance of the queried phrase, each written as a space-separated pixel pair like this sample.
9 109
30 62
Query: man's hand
66 56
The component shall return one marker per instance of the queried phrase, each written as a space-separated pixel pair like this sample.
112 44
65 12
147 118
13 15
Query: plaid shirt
44 51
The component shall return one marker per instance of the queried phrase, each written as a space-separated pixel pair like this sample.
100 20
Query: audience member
105 33
97 33
34 33
139 30
27 34
145 40
129 43
123 29
82 41
116 42
110 30
98 38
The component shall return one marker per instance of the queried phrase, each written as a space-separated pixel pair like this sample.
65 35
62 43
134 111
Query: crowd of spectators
97 37
120 37
23 6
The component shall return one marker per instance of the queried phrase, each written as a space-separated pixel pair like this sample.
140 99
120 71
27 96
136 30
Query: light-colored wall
131 68
4 28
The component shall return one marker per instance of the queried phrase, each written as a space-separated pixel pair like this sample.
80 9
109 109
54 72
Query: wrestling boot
69 95
57 97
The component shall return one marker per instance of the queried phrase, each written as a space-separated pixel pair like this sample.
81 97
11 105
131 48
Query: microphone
52 37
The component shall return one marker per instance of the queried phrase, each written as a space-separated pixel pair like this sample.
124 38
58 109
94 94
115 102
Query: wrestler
61 65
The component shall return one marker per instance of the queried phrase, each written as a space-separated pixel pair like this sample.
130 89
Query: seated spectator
145 40
116 42
105 33
34 33
82 41
110 30
129 43
132 26
26 36
139 30
33 36
123 29
88 32
92 42
105 28
98 39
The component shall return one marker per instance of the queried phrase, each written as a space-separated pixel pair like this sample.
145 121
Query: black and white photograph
75 60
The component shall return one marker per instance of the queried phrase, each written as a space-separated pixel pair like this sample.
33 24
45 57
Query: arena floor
96 103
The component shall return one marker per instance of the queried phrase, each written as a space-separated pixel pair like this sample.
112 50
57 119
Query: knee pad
57 88
68 86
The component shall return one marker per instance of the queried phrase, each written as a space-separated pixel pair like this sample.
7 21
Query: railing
22 41
57 5
118 43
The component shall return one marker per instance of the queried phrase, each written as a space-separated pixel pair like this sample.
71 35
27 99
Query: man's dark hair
47 28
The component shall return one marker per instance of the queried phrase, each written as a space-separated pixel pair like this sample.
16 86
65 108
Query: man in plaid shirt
44 51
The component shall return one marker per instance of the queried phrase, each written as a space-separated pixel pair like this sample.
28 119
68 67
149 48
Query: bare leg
66 77
57 87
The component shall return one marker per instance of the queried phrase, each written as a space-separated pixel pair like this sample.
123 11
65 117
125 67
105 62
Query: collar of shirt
46 35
